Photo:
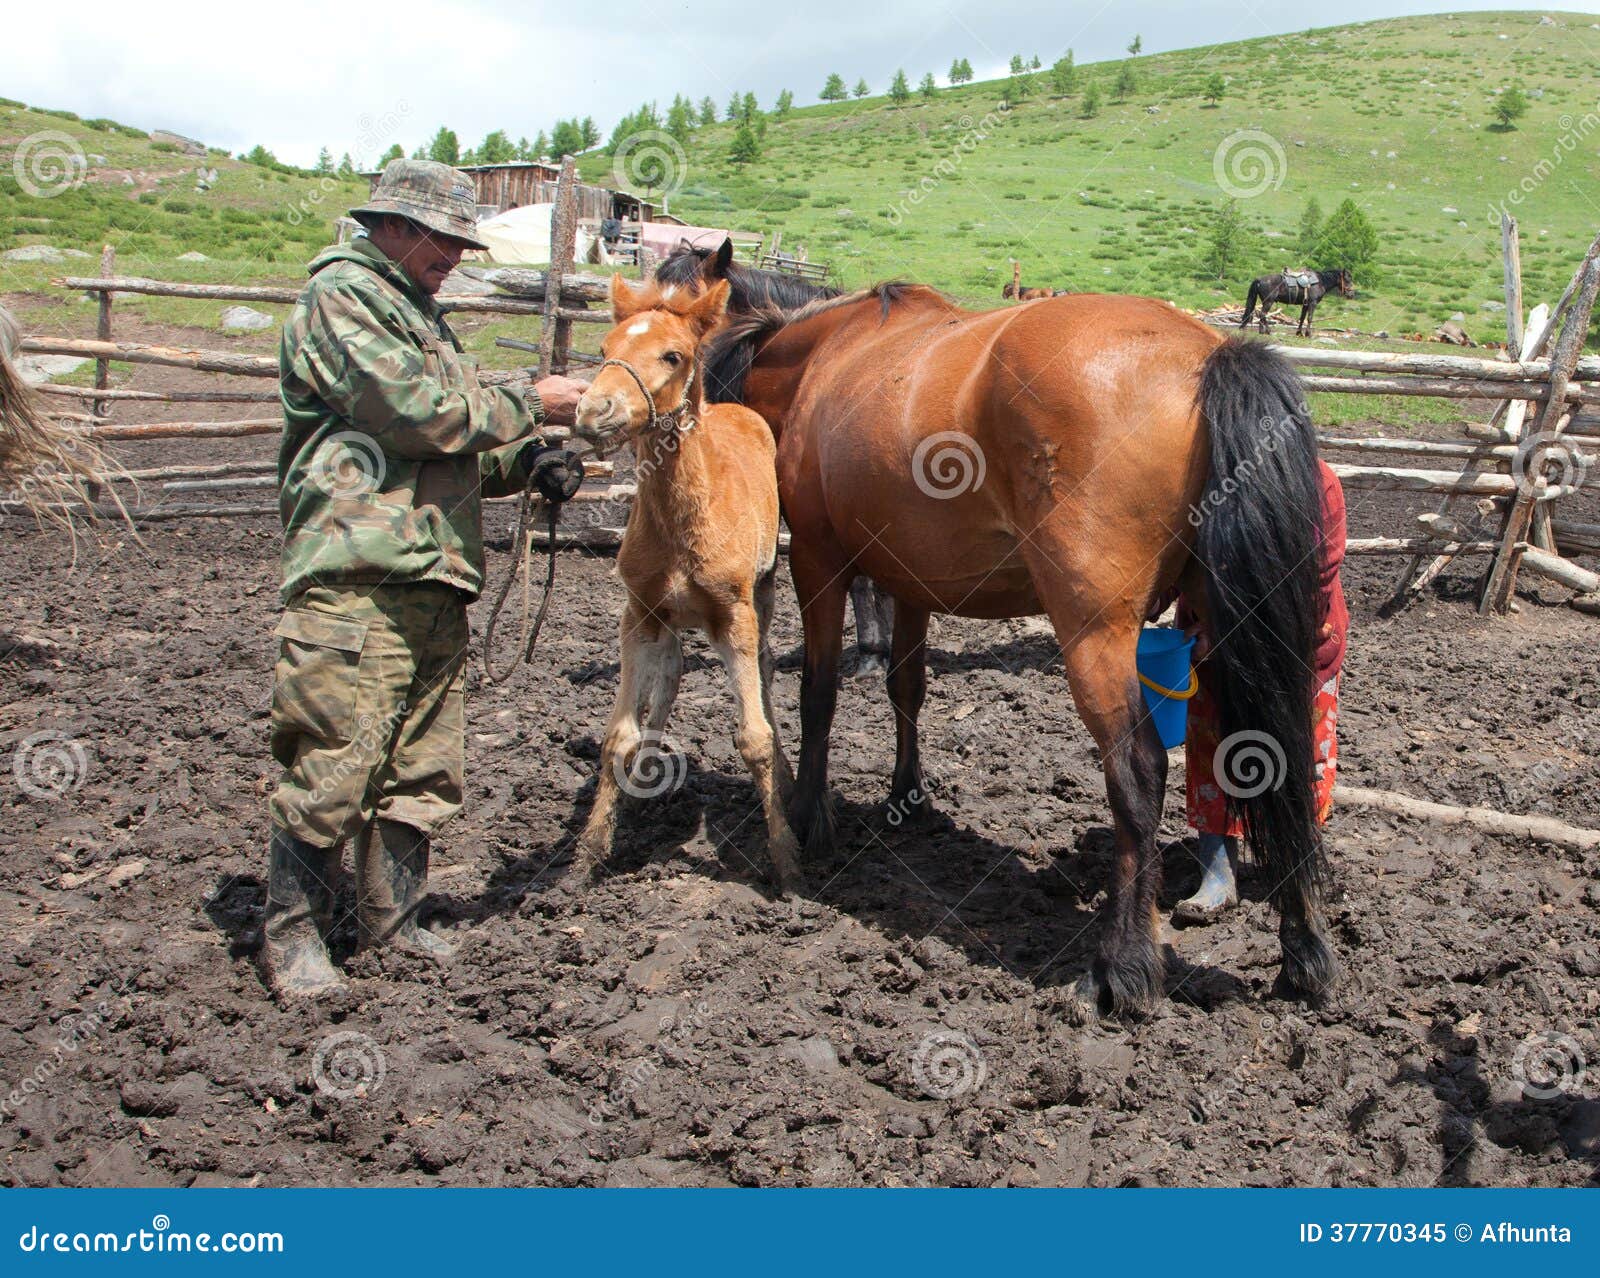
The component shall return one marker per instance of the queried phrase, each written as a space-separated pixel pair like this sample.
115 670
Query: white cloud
296 75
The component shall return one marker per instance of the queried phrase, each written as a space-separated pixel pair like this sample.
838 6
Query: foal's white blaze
640 326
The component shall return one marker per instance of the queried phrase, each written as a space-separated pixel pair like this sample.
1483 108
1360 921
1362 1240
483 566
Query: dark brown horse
1293 287
1079 457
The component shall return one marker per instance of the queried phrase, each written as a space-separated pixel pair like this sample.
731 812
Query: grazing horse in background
700 551
1080 457
1305 287
751 288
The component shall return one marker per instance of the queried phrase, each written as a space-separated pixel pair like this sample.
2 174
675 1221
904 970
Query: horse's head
649 373
1347 284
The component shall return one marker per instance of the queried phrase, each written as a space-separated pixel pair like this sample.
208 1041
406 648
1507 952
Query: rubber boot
300 881
392 880
1218 892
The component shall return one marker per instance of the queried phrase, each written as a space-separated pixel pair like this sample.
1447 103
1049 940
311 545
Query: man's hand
556 473
560 396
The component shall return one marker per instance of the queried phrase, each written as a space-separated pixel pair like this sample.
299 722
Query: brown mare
700 552
1079 456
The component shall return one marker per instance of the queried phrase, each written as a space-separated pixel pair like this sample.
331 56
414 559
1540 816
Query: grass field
1395 114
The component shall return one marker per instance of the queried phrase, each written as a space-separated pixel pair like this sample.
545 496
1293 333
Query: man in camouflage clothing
389 445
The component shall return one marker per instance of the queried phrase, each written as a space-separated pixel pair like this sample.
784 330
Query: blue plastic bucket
1167 680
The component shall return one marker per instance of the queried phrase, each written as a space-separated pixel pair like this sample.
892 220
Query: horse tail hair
1250 302
1260 546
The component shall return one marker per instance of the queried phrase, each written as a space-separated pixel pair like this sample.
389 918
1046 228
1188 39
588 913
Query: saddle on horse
1299 279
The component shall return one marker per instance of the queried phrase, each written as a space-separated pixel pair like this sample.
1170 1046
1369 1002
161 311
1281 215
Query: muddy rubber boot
391 882
300 880
1218 892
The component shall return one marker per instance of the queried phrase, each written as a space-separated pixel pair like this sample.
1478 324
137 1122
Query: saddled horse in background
751 288
1305 288
1079 457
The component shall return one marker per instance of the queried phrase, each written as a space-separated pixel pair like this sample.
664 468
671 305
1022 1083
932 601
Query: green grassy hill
75 185
1394 114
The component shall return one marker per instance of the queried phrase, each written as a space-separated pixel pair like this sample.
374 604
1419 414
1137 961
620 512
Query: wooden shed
510 186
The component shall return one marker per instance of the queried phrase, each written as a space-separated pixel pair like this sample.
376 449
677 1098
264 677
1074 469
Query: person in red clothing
1207 798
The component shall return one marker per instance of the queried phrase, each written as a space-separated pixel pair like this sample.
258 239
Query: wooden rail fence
1515 470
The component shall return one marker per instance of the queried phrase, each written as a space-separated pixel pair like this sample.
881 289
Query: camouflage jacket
389 442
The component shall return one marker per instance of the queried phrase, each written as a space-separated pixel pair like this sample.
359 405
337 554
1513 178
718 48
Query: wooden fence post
1502 578
555 333
1412 581
1512 253
102 367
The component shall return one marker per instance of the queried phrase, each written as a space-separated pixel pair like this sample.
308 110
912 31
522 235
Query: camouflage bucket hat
431 194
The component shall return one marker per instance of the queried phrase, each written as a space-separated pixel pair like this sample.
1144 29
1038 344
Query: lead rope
523 548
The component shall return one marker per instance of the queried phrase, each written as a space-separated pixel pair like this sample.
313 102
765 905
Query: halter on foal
700 551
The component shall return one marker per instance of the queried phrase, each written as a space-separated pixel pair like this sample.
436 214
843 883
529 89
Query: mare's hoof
911 809
815 822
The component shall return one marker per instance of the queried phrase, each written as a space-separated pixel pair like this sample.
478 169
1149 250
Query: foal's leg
766 602
821 586
908 685
652 660
1127 975
738 642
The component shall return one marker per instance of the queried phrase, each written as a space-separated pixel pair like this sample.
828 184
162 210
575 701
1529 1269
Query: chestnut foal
700 552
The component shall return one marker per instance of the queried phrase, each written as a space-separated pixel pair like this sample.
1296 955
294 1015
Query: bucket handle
1194 686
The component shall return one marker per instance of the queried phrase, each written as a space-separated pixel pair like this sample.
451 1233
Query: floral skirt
1207 804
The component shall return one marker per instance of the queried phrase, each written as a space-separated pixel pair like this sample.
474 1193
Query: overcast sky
297 75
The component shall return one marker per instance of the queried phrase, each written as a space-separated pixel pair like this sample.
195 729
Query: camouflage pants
367 716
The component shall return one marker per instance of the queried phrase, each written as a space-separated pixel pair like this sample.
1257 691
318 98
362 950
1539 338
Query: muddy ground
674 1024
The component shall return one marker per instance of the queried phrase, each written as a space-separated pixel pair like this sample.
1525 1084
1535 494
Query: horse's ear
716 267
708 308
625 299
